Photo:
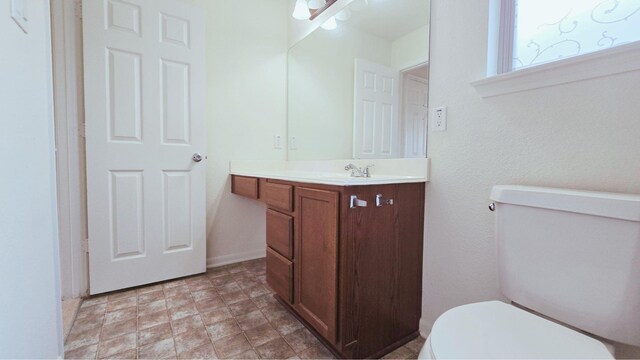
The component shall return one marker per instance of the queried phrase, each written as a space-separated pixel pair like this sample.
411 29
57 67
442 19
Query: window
534 32
534 44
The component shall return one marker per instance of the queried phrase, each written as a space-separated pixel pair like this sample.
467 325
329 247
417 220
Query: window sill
616 60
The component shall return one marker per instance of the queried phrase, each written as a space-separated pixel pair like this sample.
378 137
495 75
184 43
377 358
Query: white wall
321 85
582 135
246 107
411 49
30 317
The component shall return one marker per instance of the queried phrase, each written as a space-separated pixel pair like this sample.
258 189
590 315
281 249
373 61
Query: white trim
57 296
616 60
234 258
413 67
70 163
425 327
507 28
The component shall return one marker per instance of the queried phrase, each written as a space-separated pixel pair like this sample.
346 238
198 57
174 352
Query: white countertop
331 172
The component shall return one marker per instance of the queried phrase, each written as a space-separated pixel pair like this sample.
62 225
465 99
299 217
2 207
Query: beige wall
246 106
582 135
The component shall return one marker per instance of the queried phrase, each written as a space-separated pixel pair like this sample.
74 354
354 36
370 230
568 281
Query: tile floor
229 312
69 309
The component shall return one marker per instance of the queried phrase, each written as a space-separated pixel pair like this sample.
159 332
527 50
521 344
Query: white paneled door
376 123
144 76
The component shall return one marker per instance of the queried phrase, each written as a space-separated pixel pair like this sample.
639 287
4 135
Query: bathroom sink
344 179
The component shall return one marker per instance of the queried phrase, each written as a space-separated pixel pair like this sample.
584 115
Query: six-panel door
316 259
144 77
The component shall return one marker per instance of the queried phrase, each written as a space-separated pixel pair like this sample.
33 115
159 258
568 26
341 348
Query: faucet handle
366 170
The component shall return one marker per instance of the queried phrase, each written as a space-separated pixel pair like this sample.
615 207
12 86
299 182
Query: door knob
196 157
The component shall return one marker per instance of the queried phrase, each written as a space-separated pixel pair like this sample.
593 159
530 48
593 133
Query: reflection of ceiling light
358 5
343 15
317 4
330 24
301 11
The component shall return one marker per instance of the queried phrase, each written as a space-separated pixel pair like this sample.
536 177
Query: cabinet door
316 259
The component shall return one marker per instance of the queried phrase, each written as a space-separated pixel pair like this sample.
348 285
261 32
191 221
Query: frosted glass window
548 30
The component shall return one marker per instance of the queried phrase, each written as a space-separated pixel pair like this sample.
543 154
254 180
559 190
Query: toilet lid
497 330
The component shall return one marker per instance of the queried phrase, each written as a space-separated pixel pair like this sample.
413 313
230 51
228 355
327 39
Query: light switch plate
277 141
19 14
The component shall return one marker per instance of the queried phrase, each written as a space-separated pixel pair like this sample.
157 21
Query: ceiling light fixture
343 15
317 4
301 10
330 24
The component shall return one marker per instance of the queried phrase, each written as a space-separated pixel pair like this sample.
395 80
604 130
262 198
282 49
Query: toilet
569 264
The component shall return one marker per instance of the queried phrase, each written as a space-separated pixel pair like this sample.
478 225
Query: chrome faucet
358 172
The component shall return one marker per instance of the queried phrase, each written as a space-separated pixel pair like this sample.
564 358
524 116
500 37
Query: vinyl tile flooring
227 313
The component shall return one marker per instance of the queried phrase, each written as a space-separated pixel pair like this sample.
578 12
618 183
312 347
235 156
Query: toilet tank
573 256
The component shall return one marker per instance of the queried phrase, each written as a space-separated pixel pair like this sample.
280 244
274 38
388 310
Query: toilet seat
495 330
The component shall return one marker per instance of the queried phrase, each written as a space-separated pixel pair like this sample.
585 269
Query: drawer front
244 186
279 275
280 233
278 196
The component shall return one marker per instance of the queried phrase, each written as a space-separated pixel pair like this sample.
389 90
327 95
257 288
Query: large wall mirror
360 90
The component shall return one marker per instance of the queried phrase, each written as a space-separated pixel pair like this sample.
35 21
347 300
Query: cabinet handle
381 201
355 202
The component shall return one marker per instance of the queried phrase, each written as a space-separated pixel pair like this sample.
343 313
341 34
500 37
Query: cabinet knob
382 201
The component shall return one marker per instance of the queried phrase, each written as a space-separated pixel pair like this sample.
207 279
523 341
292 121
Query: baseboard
425 328
234 258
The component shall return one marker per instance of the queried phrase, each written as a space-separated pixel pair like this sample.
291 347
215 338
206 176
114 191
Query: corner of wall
425 327
216 261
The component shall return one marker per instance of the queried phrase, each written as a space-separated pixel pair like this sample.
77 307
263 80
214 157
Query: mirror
360 90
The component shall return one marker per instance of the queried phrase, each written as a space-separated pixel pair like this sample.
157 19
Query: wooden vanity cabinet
316 259
280 233
381 270
245 186
352 275
279 275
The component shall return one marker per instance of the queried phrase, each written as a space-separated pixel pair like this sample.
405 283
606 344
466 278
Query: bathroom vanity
345 256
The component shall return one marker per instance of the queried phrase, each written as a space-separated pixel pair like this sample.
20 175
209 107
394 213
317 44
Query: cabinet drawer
280 233
244 186
278 196
279 274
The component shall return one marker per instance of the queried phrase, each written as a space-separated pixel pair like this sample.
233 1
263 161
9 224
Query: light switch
19 14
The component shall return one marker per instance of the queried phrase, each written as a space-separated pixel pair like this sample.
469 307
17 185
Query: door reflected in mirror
360 90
